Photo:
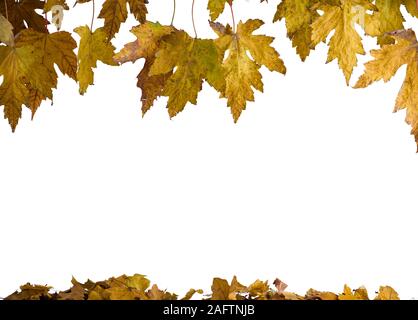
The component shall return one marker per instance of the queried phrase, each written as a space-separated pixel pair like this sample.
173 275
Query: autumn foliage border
138 287
175 66
30 51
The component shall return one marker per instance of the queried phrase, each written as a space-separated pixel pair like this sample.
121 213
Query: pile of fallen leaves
177 64
138 287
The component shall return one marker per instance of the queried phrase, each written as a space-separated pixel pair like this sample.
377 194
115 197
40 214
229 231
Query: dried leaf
299 16
345 43
31 292
387 293
93 47
191 61
147 44
387 62
280 285
53 49
22 14
241 72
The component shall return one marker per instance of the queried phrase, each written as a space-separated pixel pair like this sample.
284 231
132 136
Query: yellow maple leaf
93 47
192 61
22 68
242 72
147 44
222 290
345 43
54 49
299 16
386 63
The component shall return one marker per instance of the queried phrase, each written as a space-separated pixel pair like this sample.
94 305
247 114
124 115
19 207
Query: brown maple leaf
22 14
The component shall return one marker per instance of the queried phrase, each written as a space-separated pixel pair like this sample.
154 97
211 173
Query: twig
93 15
194 25
174 12
233 16
5 7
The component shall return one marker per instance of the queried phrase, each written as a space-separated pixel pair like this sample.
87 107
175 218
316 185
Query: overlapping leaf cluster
138 287
176 64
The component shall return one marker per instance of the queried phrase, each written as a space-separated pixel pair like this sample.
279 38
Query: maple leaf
22 14
241 72
94 46
22 68
222 290
194 61
115 12
387 62
147 44
54 49
345 43
299 16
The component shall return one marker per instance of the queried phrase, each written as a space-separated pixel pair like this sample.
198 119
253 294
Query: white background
316 184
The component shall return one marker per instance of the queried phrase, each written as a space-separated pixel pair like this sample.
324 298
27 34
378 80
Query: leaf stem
93 15
174 12
233 15
5 7
194 25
